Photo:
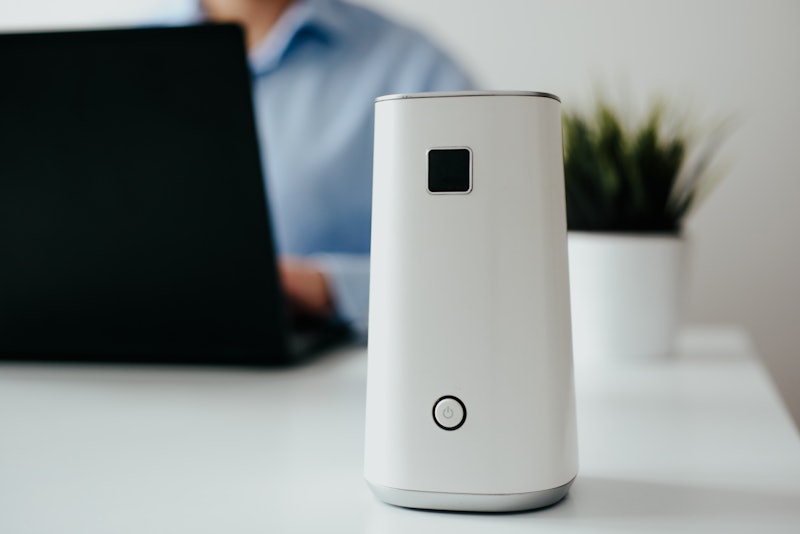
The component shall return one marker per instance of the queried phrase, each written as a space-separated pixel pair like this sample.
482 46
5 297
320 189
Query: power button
449 412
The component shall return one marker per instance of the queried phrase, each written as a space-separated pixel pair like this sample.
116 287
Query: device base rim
470 502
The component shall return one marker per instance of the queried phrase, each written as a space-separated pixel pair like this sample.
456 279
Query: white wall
47 14
715 58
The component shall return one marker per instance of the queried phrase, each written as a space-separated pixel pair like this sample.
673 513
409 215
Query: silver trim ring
454 94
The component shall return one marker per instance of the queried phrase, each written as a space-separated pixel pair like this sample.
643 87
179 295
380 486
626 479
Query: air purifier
470 395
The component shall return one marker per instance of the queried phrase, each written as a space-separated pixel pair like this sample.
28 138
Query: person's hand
305 287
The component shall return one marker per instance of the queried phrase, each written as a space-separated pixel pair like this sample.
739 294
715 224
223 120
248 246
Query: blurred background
711 59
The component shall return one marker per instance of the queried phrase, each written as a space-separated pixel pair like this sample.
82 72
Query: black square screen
449 170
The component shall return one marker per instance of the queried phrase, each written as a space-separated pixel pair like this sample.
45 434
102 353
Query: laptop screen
133 221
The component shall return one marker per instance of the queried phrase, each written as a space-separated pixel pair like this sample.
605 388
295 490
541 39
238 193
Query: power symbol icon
449 412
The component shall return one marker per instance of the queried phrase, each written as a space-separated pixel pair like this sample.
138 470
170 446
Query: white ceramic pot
625 295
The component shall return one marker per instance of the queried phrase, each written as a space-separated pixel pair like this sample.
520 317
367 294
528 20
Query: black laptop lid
133 221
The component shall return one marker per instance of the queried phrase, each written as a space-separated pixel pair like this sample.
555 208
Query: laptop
133 218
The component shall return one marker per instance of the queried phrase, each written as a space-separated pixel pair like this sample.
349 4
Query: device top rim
452 94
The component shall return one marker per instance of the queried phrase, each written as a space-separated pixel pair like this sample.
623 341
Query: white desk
700 444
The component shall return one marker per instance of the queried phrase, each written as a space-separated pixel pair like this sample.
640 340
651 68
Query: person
317 67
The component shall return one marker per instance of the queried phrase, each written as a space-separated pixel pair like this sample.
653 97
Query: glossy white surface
699 444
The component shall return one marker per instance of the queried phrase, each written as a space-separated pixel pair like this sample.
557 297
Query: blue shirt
315 78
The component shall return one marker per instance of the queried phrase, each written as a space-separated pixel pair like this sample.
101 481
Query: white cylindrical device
470 395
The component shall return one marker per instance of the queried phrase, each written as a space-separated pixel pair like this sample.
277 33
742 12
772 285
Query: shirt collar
317 18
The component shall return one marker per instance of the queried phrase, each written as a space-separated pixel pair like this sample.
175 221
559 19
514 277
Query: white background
713 59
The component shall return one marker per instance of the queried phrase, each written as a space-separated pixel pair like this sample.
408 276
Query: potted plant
628 192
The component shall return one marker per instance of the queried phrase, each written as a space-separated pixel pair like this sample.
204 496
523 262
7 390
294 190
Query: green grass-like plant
632 180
